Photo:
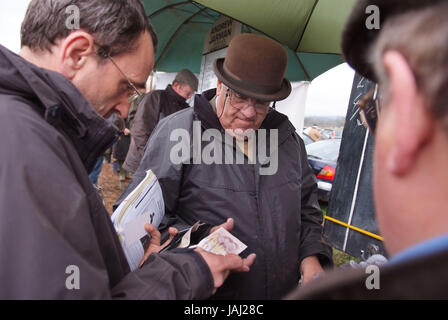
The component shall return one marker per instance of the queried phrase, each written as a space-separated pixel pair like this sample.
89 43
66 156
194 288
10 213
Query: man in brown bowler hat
408 58
276 215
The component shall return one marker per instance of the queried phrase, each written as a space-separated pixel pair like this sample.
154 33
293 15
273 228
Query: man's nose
123 109
249 110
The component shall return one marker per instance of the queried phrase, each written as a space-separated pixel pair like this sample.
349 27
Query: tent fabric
311 29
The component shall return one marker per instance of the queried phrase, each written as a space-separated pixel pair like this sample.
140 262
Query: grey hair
421 36
115 25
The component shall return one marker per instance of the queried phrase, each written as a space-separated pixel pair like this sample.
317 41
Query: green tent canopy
310 29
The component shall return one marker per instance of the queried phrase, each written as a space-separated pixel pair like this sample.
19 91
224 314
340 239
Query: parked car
326 134
313 132
306 138
322 157
338 134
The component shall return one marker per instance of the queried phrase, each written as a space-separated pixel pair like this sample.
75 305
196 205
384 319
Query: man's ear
412 121
218 88
76 48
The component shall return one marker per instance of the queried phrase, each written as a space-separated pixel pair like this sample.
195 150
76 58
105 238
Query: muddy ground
110 182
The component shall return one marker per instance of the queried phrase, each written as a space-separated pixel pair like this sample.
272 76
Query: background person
154 106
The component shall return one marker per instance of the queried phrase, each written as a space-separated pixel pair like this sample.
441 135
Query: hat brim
283 93
357 39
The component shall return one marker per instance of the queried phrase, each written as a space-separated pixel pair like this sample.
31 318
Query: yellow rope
370 234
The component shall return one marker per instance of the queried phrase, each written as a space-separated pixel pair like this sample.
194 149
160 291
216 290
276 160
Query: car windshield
306 139
325 149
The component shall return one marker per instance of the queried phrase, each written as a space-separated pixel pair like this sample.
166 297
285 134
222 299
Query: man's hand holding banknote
213 248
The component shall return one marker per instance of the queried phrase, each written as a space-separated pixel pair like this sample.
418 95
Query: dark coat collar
169 89
60 103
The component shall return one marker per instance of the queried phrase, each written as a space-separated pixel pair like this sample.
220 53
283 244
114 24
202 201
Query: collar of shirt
422 249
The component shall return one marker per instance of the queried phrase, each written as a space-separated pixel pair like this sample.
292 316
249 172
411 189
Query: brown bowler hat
357 38
255 66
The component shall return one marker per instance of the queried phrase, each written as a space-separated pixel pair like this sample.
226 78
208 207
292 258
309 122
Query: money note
222 242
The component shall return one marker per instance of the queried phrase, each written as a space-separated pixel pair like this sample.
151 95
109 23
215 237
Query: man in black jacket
57 239
209 171
155 106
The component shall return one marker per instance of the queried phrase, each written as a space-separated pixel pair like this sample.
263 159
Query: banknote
222 242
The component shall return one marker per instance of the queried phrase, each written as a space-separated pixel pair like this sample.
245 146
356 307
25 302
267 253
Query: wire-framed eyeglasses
240 101
131 86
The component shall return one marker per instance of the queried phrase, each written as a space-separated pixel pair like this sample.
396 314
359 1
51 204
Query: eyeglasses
136 94
369 109
240 101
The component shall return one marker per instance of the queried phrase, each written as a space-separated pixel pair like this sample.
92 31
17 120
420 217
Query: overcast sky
11 17
327 95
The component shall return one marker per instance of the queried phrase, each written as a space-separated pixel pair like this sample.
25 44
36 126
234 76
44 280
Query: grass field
339 257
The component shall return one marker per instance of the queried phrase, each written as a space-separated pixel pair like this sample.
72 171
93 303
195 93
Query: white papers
135 229
143 205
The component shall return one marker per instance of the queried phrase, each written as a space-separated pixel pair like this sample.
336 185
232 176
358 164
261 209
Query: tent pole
307 76
151 83
306 24
167 7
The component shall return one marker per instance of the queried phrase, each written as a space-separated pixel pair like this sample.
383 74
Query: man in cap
57 239
408 58
273 201
155 106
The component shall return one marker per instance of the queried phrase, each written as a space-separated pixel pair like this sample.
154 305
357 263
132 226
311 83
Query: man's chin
242 133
